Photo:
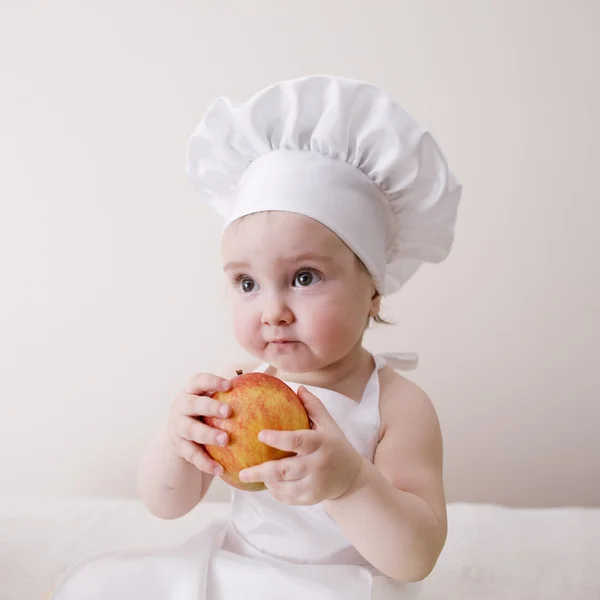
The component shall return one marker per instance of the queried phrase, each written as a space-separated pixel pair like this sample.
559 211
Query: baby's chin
295 364
289 358
293 359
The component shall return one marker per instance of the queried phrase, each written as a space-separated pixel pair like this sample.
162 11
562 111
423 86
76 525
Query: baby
332 197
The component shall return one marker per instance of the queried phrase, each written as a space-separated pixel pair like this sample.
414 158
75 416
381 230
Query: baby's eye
248 285
306 277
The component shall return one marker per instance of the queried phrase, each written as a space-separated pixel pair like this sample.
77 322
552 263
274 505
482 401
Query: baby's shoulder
402 401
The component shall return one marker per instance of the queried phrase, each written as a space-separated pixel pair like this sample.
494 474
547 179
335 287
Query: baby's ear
375 304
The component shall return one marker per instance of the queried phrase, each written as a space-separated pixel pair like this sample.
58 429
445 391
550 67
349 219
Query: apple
258 401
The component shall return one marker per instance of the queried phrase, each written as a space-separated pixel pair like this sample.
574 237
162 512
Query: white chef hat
341 152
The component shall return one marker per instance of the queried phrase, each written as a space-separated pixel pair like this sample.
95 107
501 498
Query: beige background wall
111 291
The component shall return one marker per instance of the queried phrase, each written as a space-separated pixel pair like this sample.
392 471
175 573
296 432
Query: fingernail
262 436
218 470
224 410
222 439
225 385
244 476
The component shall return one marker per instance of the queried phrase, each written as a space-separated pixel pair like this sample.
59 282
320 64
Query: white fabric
341 152
401 361
307 533
492 552
266 550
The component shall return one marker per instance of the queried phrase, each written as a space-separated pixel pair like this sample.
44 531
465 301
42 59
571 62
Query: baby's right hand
187 433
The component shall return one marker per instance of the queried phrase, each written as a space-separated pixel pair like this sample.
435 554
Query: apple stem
239 371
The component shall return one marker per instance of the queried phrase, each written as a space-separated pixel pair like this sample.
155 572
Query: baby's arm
395 512
168 484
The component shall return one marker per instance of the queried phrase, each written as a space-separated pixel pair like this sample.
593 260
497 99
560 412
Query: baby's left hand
324 467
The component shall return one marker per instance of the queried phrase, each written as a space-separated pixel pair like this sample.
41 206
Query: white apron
265 550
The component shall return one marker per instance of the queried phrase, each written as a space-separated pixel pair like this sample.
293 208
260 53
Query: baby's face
300 298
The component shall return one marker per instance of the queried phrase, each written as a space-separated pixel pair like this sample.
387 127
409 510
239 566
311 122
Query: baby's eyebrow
295 258
307 257
235 266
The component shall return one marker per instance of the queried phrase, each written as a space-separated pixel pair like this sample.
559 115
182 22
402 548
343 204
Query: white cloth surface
492 552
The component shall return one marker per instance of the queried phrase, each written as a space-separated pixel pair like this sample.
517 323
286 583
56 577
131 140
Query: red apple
258 401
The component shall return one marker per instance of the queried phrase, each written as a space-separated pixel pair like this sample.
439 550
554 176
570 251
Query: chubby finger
207 383
202 406
275 471
302 441
317 412
193 430
196 456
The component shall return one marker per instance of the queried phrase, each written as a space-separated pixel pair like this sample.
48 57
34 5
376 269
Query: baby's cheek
245 329
330 327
